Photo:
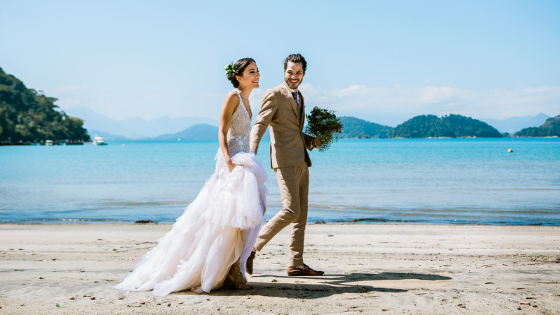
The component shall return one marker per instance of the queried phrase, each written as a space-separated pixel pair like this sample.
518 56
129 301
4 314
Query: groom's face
294 74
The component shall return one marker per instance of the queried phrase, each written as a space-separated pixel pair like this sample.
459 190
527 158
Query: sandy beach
370 269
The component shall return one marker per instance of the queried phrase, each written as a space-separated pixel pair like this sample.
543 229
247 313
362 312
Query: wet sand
370 269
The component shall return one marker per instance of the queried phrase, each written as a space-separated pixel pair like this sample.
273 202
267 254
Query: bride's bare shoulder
231 101
232 96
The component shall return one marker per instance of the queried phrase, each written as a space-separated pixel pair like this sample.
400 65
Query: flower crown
230 70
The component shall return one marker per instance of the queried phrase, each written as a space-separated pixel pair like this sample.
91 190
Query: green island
356 128
550 128
27 115
449 126
423 126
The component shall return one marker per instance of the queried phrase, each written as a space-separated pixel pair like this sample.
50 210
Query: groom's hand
317 142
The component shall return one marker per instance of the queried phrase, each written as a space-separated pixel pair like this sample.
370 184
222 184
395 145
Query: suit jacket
288 143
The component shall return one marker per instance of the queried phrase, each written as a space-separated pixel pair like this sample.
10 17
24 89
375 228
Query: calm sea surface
419 181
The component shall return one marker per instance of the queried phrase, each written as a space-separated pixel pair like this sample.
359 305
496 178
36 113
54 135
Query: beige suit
290 161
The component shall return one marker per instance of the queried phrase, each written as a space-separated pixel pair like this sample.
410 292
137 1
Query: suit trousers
293 182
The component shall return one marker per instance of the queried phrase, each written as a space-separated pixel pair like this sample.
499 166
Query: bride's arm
231 103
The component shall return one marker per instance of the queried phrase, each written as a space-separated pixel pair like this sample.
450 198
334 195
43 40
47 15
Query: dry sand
371 269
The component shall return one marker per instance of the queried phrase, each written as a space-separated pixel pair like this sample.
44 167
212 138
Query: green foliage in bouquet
322 123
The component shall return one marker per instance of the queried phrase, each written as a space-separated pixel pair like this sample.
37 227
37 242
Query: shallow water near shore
457 181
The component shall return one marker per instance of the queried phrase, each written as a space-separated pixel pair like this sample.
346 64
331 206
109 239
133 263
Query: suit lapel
291 100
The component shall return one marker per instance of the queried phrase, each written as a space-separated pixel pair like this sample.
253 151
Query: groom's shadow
330 285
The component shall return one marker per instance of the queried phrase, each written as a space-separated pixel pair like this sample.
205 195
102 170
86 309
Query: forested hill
358 128
452 126
27 115
550 128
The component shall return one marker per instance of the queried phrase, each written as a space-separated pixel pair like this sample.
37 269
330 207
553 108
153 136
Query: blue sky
384 61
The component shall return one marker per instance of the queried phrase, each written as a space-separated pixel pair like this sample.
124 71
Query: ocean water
442 181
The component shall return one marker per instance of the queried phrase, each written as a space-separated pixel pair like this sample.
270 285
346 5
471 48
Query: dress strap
241 102
239 94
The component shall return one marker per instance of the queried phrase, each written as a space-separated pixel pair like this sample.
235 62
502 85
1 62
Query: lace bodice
237 137
239 129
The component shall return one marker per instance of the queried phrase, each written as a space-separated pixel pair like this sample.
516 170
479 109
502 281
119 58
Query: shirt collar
289 88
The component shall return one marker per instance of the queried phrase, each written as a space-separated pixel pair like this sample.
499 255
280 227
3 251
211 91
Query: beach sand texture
370 269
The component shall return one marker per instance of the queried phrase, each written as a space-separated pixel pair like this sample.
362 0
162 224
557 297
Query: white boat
49 142
98 140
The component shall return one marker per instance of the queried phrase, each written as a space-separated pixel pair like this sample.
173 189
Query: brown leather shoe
249 264
303 271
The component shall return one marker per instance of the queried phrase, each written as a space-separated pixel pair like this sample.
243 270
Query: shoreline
360 221
370 268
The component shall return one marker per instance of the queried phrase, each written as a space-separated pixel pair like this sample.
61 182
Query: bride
208 246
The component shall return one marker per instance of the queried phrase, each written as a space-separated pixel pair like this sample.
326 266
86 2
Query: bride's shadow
329 285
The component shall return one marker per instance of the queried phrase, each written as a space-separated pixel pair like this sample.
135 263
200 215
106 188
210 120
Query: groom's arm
268 109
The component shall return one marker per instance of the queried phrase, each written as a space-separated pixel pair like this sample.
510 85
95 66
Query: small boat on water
98 140
48 142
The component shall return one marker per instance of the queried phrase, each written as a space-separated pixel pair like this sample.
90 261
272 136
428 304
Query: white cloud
69 88
68 103
439 100
68 95
255 100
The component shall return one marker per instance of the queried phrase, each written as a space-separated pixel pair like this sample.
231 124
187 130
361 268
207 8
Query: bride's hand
232 165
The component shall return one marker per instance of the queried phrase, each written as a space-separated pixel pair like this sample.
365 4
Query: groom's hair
295 58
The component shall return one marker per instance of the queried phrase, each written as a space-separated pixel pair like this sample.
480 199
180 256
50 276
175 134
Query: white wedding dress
216 230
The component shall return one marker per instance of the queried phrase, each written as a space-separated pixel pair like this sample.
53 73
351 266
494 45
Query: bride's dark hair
239 67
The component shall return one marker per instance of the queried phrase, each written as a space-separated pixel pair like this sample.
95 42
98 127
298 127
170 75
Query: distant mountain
550 128
197 132
107 136
359 128
513 124
452 126
137 128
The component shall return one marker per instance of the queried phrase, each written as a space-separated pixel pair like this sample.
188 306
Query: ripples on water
419 181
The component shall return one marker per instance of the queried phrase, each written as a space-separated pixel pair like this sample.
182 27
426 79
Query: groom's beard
291 86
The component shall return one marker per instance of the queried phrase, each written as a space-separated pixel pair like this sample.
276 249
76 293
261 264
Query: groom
283 110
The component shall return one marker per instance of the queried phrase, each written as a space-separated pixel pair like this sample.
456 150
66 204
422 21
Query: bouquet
322 123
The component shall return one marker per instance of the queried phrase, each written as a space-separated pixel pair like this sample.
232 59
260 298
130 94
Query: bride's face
250 77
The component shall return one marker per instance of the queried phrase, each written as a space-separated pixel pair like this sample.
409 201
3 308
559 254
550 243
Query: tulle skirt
216 230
